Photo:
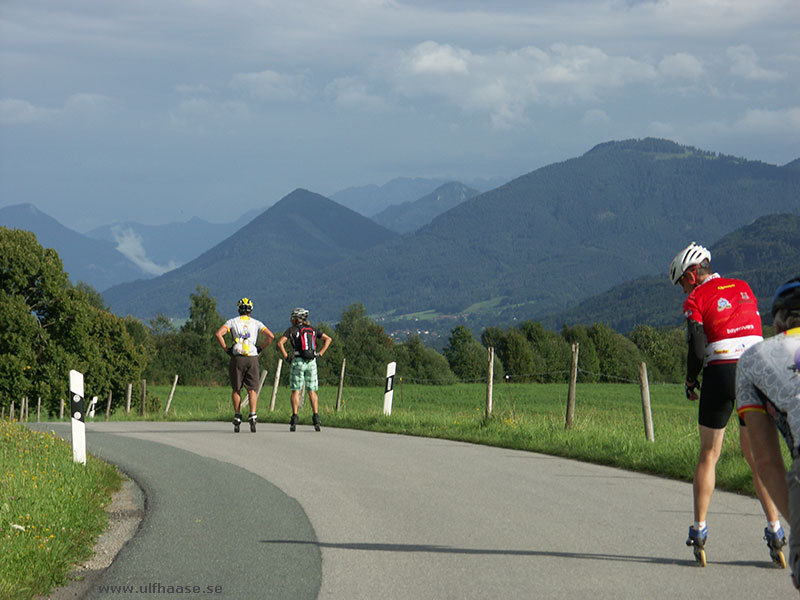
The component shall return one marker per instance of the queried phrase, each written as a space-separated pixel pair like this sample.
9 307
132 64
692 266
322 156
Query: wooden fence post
172 391
39 410
275 384
61 411
490 384
144 396
108 405
128 398
646 412
573 381
341 385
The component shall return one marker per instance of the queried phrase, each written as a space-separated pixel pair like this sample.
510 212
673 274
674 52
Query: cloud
681 66
769 122
199 114
430 57
129 243
352 93
745 64
271 85
20 112
14 111
507 84
595 116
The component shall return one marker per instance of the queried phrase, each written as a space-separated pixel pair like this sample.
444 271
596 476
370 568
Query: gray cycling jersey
768 380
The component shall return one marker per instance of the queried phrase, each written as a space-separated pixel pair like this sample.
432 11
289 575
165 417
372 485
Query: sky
156 111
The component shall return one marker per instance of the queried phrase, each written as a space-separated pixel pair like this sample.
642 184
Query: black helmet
245 306
787 296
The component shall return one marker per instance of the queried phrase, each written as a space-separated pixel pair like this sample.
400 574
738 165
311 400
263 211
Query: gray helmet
301 314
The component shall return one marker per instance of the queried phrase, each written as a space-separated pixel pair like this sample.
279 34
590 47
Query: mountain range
157 249
536 245
97 262
407 217
372 200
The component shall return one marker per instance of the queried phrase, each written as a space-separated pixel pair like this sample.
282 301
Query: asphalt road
353 515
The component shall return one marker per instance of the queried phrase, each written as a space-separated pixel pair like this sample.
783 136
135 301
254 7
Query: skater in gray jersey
768 399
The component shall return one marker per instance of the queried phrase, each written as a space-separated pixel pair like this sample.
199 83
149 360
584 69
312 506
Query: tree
588 362
551 352
664 351
619 357
50 326
517 356
466 357
365 345
416 363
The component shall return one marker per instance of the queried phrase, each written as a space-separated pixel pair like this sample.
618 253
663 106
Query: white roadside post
78 422
389 390
92 407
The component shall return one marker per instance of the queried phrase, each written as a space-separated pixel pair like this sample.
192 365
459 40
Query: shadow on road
377 547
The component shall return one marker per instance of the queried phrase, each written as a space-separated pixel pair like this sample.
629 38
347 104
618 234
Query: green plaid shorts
303 371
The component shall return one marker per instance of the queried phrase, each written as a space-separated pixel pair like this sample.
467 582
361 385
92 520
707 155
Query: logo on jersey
723 304
745 296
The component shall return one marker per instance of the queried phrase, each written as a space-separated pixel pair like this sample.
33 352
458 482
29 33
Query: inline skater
722 322
768 394
243 367
303 361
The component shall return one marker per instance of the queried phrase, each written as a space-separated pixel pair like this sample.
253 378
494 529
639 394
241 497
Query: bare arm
220 335
326 341
281 342
268 336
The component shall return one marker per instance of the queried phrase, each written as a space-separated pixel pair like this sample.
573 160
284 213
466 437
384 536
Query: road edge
125 514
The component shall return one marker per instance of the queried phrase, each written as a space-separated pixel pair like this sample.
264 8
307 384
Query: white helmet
693 254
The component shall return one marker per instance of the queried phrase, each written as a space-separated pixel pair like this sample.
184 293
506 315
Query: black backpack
307 343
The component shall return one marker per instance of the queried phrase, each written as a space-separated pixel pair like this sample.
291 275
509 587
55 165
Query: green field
608 426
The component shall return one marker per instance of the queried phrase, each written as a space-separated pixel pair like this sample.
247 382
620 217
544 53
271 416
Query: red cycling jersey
728 311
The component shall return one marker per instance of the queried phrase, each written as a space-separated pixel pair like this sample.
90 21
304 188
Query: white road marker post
388 392
78 419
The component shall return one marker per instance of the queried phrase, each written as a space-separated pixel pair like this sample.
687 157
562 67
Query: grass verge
51 509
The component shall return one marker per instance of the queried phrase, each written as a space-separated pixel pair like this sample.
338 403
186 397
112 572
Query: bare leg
295 399
768 506
705 474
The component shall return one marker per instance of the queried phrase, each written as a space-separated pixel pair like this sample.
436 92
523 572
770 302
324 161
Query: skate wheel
779 559
700 556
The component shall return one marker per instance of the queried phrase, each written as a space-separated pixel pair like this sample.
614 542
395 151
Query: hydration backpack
308 343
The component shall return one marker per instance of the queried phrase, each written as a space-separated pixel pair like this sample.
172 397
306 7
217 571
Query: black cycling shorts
717 395
243 370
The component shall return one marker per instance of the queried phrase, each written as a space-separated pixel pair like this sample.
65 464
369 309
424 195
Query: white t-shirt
244 330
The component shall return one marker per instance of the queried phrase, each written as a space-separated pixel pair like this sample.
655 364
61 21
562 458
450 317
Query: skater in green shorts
305 348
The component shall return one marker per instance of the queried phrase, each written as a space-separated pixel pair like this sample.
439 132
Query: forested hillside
765 254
